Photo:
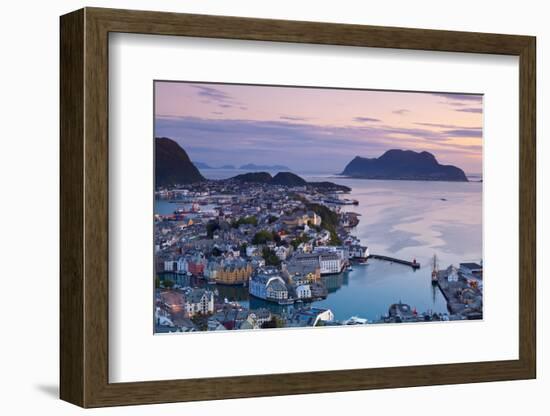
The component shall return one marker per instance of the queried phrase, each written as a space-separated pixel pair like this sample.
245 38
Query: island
399 164
289 179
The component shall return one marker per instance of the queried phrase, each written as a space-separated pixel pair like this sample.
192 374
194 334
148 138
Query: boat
355 320
338 201
350 269
434 270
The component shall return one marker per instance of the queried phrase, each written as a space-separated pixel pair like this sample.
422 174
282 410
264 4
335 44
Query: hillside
172 164
254 177
287 179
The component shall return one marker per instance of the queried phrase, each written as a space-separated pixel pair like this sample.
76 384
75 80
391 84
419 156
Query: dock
414 264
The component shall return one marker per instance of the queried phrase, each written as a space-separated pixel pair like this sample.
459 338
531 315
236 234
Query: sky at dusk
315 129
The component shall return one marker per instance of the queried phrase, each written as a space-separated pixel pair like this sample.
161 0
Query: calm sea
403 219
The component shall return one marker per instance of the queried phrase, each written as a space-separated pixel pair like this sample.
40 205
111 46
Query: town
246 254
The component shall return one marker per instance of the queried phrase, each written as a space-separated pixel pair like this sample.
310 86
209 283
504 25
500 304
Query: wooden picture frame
84 207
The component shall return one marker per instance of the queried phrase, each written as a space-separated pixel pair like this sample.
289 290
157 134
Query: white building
358 252
182 265
341 251
268 285
281 252
170 265
330 263
251 251
199 302
452 274
303 291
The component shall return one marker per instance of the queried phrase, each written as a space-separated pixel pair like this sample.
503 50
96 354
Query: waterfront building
303 291
196 264
341 251
211 270
235 272
182 265
170 265
330 263
276 290
268 285
357 251
305 259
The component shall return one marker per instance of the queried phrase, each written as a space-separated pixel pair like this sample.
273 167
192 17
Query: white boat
355 320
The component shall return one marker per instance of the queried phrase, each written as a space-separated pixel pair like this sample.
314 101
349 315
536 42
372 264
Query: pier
414 264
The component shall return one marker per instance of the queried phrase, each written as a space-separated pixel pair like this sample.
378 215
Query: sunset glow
316 129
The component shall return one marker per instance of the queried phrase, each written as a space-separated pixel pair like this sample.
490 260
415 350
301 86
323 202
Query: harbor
394 284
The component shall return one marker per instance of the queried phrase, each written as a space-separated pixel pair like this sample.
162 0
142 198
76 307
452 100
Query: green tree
252 220
329 221
168 284
262 237
270 257
299 240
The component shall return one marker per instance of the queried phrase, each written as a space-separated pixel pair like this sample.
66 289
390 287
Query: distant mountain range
252 166
172 164
403 165
248 166
288 179
202 165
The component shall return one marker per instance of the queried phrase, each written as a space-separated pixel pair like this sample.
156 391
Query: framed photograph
257 207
